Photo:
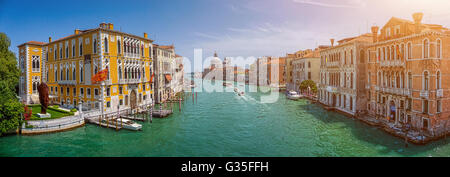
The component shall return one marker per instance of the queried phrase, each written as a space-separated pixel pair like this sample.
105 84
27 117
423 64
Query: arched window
388 53
142 50
409 50
95 46
62 74
351 80
438 48
67 51
67 74
425 48
33 64
95 70
120 72
425 80
392 53
81 49
107 74
56 75
81 73
438 80
73 50
118 46
409 80
73 74
402 51
60 53
106 45
362 56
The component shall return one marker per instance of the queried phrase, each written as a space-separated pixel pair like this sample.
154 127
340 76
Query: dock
161 114
112 125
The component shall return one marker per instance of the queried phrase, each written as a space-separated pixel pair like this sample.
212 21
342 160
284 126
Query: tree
308 83
10 107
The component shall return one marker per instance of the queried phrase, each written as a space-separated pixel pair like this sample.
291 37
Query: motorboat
128 124
236 90
293 95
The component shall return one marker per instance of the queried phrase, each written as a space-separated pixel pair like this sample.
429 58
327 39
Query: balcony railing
439 93
407 92
35 70
131 81
67 82
424 93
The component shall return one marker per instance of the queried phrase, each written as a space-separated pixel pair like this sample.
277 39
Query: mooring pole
179 105
196 101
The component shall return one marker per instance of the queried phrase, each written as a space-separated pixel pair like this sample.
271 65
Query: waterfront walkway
53 125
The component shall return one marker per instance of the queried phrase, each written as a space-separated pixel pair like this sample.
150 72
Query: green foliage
10 107
308 83
10 115
54 112
56 106
73 110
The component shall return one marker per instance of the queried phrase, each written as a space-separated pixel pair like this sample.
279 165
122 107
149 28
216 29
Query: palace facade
409 73
342 74
67 65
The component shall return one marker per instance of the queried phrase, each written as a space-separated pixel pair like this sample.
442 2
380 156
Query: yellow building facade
68 64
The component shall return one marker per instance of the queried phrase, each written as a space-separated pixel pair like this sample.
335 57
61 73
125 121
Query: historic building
164 66
306 68
288 68
408 74
342 74
68 64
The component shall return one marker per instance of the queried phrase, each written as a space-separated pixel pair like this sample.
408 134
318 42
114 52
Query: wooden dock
137 117
112 124
162 114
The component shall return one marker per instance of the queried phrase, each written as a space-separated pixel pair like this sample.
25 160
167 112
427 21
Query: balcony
407 92
67 82
35 70
131 81
424 94
439 93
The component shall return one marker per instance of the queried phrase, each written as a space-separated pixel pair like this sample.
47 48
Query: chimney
145 35
49 39
332 42
77 31
102 25
417 21
110 26
375 33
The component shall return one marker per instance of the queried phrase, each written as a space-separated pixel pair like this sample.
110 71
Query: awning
168 77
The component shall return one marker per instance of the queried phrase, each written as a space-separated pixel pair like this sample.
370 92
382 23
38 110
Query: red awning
168 77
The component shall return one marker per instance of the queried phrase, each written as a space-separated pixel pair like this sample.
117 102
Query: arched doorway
133 99
392 111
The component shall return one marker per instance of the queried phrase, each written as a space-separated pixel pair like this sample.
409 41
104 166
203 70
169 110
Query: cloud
348 4
261 40
206 35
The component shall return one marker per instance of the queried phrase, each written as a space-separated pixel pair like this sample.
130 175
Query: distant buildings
307 67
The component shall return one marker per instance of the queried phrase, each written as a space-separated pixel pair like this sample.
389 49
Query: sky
233 28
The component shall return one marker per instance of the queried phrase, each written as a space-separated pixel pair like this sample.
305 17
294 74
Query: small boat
293 95
241 94
236 90
128 124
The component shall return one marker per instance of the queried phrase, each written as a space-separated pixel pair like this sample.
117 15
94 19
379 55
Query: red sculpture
43 97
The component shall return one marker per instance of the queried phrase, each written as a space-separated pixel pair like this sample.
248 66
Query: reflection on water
225 124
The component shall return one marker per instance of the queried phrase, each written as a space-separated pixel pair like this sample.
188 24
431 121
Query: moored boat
293 95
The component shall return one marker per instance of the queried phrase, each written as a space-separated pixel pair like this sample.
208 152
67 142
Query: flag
100 76
151 78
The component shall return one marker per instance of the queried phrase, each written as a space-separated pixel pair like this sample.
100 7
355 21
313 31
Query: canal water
224 124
